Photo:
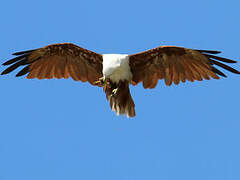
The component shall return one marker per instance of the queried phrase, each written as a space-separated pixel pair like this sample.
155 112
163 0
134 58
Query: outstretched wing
175 64
58 61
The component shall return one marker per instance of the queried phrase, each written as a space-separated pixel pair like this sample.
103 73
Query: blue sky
61 129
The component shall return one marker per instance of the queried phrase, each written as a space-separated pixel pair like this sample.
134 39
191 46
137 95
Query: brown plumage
173 64
58 61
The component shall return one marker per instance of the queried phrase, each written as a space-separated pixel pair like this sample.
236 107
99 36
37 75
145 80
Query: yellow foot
100 82
114 92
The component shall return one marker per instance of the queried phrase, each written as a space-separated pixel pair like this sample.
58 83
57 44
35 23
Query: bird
115 72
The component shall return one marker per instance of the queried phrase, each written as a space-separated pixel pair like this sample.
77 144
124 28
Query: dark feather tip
224 66
218 72
23 71
209 51
220 58
16 59
14 66
3 73
23 52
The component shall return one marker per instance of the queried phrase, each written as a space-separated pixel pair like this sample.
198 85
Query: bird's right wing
62 60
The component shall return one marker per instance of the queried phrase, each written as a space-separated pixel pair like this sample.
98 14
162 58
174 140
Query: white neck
116 67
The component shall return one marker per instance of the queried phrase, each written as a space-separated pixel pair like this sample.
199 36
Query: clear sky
61 129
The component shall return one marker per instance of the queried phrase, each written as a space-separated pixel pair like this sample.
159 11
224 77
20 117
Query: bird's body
114 72
117 74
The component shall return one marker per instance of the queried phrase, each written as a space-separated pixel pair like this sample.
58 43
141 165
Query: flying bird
114 72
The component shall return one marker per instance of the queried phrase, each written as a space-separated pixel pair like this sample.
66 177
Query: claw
114 92
100 82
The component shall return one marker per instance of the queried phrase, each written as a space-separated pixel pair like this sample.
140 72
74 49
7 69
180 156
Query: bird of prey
114 72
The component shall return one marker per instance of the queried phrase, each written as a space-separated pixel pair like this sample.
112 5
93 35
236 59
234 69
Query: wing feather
194 71
188 72
176 64
49 70
218 72
175 74
66 70
154 80
168 71
72 72
23 71
82 70
146 80
224 66
201 70
58 61
182 73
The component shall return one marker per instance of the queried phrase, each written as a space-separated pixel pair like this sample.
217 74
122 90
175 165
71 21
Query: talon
114 92
97 82
100 82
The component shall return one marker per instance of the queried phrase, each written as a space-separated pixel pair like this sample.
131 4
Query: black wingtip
4 72
23 52
218 72
16 59
23 71
220 58
224 66
4 64
208 51
14 66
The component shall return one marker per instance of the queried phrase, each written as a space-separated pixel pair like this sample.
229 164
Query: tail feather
121 102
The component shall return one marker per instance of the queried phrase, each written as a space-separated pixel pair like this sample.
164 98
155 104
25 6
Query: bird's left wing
62 60
176 64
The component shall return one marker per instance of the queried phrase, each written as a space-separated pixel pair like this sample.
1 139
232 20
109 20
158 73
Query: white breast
116 67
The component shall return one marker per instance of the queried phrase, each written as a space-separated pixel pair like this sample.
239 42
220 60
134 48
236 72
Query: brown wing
176 64
58 61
